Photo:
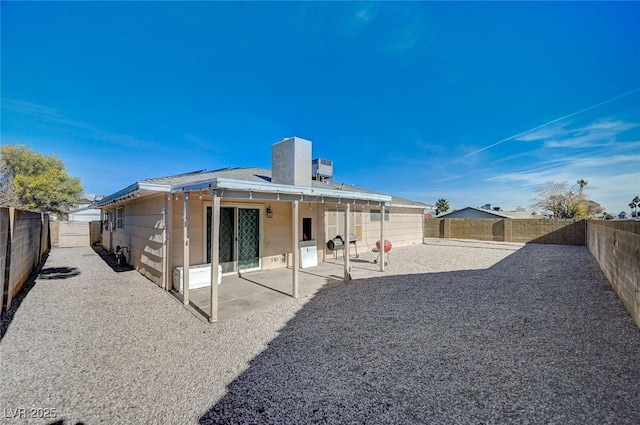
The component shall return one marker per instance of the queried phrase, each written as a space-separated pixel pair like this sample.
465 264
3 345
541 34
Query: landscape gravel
452 332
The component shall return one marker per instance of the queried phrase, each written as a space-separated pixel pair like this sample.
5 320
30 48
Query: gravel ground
453 332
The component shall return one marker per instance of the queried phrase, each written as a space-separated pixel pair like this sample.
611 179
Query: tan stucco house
237 220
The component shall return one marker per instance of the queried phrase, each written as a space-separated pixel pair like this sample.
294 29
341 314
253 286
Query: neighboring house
257 219
84 213
471 212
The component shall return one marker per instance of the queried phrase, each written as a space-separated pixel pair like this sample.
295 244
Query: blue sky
473 102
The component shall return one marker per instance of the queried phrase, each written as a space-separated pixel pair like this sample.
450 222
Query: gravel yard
453 332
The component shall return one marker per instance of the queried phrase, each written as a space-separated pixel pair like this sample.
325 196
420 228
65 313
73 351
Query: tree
635 203
36 182
582 183
558 200
442 206
607 216
592 208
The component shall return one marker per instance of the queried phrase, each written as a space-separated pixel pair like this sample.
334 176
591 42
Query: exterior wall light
269 212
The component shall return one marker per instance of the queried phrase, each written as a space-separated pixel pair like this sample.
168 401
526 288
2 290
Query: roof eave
278 189
131 191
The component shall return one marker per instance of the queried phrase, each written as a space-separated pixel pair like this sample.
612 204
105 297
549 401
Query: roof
252 179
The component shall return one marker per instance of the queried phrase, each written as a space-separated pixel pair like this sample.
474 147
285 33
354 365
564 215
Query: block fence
566 231
24 239
68 234
616 247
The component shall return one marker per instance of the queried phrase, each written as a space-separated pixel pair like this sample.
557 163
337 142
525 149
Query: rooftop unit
322 169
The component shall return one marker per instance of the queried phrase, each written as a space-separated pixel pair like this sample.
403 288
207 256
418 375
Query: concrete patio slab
240 294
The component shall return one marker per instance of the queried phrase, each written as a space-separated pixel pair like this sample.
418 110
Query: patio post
215 255
169 241
347 244
382 237
294 245
165 273
185 249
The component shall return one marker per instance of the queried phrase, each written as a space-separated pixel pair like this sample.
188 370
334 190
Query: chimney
291 162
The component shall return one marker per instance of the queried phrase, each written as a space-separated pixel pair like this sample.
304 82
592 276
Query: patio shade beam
288 197
185 251
215 255
294 244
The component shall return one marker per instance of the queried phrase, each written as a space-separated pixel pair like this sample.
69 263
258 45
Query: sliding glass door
239 238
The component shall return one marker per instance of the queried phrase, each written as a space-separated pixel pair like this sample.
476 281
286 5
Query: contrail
515 136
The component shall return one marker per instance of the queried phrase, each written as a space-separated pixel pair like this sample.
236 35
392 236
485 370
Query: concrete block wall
5 248
566 232
54 227
73 234
45 239
616 247
24 238
484 229
556 231
95 228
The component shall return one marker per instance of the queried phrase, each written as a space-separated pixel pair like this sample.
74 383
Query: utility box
308 254
199 276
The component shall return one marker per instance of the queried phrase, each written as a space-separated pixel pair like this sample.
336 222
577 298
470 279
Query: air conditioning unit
322 169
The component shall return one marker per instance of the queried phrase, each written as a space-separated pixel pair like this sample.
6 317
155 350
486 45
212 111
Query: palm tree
582 183
442 205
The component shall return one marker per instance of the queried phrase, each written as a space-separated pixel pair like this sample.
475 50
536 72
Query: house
236 220
472 212
86 212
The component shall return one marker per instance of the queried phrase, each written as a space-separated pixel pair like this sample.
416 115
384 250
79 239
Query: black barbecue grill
337 243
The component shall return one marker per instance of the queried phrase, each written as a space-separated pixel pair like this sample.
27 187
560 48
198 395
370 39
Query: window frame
120 218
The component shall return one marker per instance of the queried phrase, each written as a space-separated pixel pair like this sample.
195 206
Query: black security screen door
248 238
239 238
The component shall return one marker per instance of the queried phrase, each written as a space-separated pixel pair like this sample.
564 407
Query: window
335 223
306 229
375 215
120 218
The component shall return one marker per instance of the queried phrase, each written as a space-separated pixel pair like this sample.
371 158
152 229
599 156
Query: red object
387 246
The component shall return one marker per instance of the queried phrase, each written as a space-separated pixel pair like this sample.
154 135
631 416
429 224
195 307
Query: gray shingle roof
258 175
